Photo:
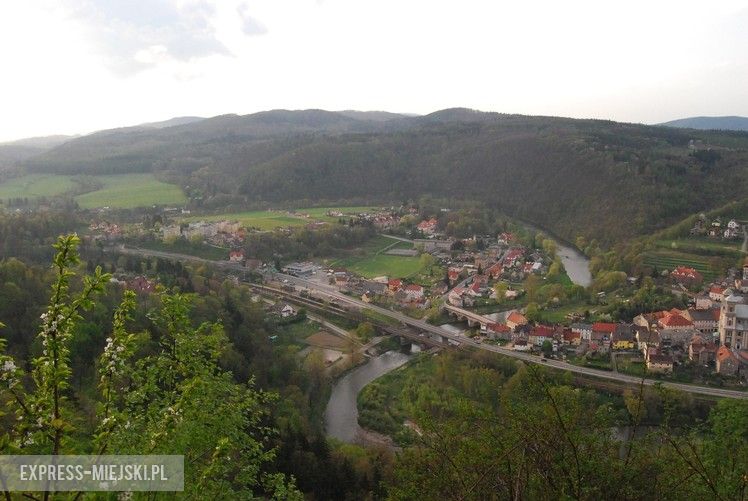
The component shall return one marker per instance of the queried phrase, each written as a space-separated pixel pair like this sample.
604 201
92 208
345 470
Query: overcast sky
74 66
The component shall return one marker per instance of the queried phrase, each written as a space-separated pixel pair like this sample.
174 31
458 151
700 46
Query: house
674 319
456 297
521 345
505 238
716 293
513 257
374 287
236 256
453 275
686 275
498 331
299 269
657 362
541 333
703 302
733 322
475 289
367 297
624 337
732 230
705 321
285 310
602 334
728 363
341 279
394 285
515 319
571 337
647 339
428 227
584 330
141 285
494 271
701 351
413 291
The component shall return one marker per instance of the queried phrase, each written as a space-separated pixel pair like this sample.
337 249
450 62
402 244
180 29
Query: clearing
36 185
261 219
126 191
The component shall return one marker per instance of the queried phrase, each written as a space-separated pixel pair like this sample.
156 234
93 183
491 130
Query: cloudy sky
74 66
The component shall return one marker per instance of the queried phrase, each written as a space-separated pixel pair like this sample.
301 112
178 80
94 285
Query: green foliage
172 401
533 436
634 179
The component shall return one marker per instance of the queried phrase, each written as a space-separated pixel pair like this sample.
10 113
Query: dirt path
745 239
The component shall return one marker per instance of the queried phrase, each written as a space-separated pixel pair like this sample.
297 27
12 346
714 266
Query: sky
76 66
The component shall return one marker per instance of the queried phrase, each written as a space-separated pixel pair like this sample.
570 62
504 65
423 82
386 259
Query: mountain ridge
572 176
710 123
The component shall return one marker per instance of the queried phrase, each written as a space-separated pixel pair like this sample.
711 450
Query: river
341 414
577 265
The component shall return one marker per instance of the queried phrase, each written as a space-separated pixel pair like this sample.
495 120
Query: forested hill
600 179
706 123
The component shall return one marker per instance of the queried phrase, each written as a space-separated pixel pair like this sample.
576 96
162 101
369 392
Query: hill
710 123
172 122
601 179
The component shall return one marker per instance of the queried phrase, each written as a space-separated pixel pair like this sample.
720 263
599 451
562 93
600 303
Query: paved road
420 324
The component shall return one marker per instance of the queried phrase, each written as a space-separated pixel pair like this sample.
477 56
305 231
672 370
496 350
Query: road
465 341
462 340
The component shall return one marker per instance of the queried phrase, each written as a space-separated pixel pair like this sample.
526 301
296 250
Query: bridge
457 340
426 338
471 317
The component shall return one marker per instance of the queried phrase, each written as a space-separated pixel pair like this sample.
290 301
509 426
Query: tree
547 348
426 262
532 312
500 289
174 401
365 331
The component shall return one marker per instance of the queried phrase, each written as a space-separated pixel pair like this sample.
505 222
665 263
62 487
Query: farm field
707 246
125 191
36 185
261 219
667 260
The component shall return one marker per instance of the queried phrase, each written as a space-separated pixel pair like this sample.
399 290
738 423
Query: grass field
320 213
702 245
261 219
125 191
36 185
369 260
670 259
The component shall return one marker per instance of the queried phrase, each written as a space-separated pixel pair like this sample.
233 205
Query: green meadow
125 191
36 185
117 191
261 220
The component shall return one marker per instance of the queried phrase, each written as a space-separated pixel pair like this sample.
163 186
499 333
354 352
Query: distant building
236 256
686 275
299 269
659 363
515 319
733 322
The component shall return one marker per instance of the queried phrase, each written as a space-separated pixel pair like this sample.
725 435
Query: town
485 287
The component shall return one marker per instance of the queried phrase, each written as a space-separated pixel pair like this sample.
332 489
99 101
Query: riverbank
341 413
